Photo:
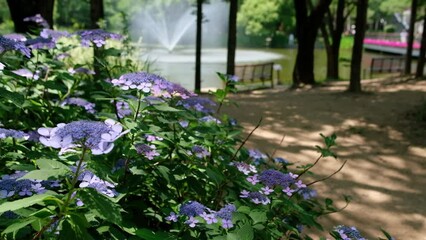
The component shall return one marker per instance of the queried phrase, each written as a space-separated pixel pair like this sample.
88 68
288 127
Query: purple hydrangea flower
281 160
210 218
192 222
53 34
16 37
245 168
4 133
184 123
226 212
11 45
10 186
273 178
90 180
266 190
307 193
81 70
200 151
253 179
96 36
151 138
173 217
288 191
300 184
149 151
210 119
256 154
200 104
152 84
192 209
88 106
62 56
37 19
255 197
98 136
348 233
227 224
23 72
123 109
40 43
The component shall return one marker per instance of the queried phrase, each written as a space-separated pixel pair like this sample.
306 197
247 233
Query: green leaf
14 97
165 108
45 174
258 216
22 203
50 164
74 227
151 235
101 205
15 227
245 232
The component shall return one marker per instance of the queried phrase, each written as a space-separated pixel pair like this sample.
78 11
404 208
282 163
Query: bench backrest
252 72
386 65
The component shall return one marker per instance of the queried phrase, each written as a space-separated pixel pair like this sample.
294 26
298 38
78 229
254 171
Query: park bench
386 65
255 74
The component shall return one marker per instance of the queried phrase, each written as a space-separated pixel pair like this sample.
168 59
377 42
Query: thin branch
307 169
323 179
245 140
275 150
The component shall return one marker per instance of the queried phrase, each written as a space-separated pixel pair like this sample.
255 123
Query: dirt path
386 151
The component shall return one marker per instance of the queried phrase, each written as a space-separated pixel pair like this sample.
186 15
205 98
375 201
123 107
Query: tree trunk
333 59
421 60
96 13
20 9
361 25
409 55
232 37
198 42
307 28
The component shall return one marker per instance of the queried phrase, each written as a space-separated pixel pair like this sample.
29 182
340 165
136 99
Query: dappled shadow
386 152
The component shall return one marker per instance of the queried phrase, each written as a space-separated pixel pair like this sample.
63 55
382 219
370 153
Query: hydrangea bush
126 154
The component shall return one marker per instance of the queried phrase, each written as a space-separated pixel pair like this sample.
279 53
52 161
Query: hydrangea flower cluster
96 36
193 209
123 109
90 180
53 34
16 37
200 104
88 106
199 151
152 84
40 43
244 167
10 186
4 133
255 197
256 154
210 119
98 136
149 151
348 233
23 72
37 19
81 70
7 44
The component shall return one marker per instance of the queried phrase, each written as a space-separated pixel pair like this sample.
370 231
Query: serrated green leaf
165 108
45 174
16 98
101 205
15 227
244 232
22 203
258 216
50 164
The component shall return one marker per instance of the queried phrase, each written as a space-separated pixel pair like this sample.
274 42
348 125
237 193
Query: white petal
110 122
107 137
66 141
117 128
83 184
44 131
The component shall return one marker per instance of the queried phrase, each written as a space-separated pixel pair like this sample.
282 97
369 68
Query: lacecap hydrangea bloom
4 133
348 233
96 36
151 84
97 136
88 106
7 44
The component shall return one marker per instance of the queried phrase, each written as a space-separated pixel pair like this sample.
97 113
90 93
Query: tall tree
332 31
408 56
307 25
232 37
422 53
360 27
198 43
97 13
20 9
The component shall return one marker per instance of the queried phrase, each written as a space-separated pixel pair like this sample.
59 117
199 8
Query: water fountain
168 33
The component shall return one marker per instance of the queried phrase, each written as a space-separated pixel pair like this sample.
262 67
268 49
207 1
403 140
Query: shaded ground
386 151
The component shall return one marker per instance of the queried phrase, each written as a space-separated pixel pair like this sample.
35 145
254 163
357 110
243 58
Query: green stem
138 107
